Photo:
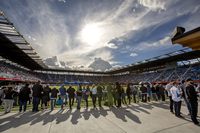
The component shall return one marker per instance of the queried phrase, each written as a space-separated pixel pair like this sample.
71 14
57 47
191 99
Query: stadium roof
181 55
189 39
74 71
14 47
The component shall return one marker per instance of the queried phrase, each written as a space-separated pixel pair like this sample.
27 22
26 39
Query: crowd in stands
167 75
11 71
71 78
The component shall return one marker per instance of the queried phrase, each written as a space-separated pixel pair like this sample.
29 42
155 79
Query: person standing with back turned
193 101
71 95
63 95
128 93
37 93
24 97
119 94
99 94
79 97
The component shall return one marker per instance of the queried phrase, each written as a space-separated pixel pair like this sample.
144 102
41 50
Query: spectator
123 96
154 93
30 95
192 98
94 95
86 94
15 96
134 90
99 94
162 92
63 95
143 90
167 88
37 93
114 94
182 88
59 101
71 95
79 97
119 94
54 93
176 97
24 97
8 99
2 93
128 93
109 95
157 89
149 92
45 96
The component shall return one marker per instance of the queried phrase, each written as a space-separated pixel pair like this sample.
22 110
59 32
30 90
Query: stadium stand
10 71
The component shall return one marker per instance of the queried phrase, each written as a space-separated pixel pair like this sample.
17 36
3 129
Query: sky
120 32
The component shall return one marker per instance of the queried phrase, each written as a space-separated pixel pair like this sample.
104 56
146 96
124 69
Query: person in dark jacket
149 92
154 93
86 94
184 95
54 93
45 96
162 92
192 98
94 95
119 94
99 94
8 99
128 93
143 89
79 97
124 96
157 88
37 92
114 94
71 95
24 97
134 91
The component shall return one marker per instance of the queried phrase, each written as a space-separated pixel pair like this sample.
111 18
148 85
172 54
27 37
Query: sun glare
91 34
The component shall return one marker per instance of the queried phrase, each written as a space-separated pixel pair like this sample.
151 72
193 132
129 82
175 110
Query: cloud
100 64
64 1
112 45
153 4
46 27
133 54
165 40
85 58
31 38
